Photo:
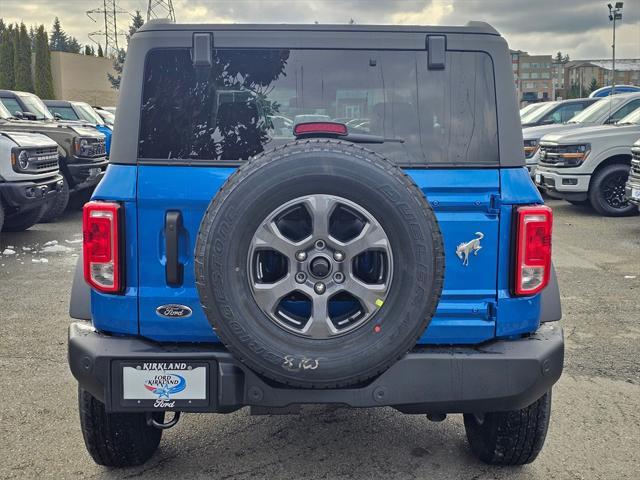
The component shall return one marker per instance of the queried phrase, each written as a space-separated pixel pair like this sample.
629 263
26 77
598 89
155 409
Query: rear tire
57 205
116 439
24 220
606 192
510 438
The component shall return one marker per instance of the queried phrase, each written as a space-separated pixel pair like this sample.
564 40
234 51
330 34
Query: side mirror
29 116
18 114
57 116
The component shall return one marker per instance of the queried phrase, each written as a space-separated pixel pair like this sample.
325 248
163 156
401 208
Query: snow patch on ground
55 248
73 242
8 251
40 260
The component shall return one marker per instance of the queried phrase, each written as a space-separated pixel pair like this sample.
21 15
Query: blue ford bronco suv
316 215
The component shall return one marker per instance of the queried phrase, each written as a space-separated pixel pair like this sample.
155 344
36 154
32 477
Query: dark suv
316 215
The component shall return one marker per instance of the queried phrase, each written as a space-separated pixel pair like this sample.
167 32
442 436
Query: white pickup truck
590 165
607 111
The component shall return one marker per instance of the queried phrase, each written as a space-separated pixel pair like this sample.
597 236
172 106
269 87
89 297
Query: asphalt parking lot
594 434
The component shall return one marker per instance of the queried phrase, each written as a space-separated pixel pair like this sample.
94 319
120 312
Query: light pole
615 13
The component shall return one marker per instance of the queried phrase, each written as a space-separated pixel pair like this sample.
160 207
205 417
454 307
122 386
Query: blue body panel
107 134
475 306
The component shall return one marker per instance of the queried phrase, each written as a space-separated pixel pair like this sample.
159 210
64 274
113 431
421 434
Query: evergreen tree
58 40
32 37
118 63
100 52
43 78
22 60
136 22
7 78
593 86
73 46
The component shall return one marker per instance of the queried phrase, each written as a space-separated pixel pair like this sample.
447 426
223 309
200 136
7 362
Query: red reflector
312 128
100 246
533 249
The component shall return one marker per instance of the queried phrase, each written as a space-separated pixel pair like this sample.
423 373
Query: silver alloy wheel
334 257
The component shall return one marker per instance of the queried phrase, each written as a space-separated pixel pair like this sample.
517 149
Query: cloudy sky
578 27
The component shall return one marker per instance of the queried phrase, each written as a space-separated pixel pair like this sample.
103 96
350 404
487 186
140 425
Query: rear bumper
23 196
497 376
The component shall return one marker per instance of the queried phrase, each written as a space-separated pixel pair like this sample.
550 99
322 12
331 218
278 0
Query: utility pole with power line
615 13
109 12
161 9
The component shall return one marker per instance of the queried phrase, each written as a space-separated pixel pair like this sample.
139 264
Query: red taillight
326 128
533 249
101 249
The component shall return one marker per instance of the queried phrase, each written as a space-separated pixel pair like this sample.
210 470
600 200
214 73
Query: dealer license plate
635 193
164 384
538 178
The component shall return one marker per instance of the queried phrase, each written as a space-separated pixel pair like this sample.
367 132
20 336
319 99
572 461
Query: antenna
161 9
109 12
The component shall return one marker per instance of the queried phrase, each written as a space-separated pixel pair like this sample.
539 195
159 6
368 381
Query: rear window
250 100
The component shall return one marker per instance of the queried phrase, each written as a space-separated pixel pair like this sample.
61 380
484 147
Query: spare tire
319 264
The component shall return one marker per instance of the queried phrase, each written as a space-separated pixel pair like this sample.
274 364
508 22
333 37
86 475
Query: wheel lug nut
301 277
319 288
301 256
338 256
338 277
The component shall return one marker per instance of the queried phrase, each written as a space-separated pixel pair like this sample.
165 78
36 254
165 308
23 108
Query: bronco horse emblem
465 249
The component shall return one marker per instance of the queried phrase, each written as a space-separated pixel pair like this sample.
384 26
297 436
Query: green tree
22 60
43 79
7 77
100 52
73 46
58 39
118 63
593 86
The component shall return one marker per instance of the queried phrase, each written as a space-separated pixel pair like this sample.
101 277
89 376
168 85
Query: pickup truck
604 112
590 165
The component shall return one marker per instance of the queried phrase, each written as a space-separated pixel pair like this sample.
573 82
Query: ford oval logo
174 311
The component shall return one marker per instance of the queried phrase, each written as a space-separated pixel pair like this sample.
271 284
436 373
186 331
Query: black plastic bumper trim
497 376
14 194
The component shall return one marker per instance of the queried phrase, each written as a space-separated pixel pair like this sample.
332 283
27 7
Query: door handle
173 268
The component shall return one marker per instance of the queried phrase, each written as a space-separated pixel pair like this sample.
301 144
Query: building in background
581 74
82 78
532 76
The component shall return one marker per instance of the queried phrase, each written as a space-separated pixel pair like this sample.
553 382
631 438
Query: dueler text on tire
319 264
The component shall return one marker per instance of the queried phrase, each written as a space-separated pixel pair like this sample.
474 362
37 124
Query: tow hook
152 422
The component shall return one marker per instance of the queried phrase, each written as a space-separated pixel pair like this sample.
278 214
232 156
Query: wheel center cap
320 267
